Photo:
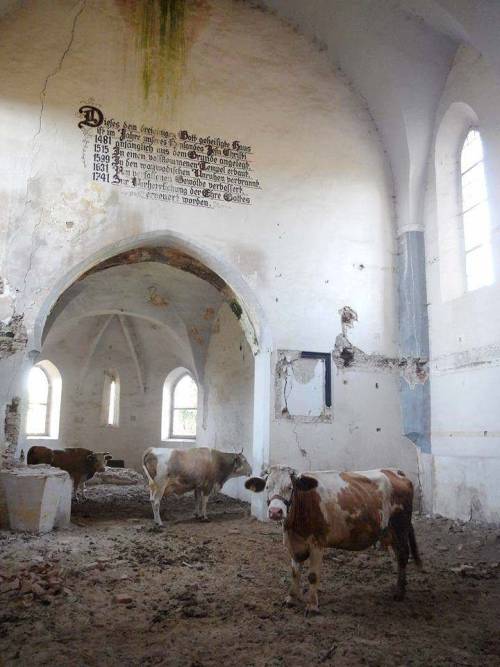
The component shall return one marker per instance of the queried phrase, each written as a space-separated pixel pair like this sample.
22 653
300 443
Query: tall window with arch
475 213
110 414
44 401
180 406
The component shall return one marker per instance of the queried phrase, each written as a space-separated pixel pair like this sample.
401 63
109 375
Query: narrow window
184 408
44 401
37 422
111 399
475 213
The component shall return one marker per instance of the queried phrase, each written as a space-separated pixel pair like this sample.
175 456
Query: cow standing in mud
199 469
343 510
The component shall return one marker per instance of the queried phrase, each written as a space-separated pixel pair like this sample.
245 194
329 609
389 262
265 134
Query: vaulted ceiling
397 55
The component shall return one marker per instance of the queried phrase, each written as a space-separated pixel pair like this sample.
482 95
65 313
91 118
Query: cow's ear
255 484
305 483
107 456
91 457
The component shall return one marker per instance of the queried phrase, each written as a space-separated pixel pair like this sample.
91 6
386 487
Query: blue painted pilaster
414 337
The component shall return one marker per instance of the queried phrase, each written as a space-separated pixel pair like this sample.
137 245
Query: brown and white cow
80 463
343 510
199 469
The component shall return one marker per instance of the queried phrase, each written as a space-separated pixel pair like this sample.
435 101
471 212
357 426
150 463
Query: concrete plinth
37 498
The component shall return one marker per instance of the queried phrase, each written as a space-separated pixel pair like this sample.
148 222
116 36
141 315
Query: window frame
46 431
111 376
166 408
473 127
175 384
54 395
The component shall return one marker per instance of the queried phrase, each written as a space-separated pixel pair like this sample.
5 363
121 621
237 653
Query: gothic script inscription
173 166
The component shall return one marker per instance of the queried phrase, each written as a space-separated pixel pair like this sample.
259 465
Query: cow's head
98 460
279 484
241 467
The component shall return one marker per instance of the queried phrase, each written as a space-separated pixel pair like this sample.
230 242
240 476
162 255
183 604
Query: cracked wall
58 217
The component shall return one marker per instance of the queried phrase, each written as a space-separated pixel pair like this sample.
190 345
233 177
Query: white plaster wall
318 236
364 434
140 414
465 330
228 405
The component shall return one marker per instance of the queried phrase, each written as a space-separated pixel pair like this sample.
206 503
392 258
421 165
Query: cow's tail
149 466
413 547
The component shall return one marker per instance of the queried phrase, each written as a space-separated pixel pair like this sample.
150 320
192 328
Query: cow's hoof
204 519
311 611
157 527
290 601
399 596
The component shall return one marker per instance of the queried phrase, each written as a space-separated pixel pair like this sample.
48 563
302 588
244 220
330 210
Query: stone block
38 498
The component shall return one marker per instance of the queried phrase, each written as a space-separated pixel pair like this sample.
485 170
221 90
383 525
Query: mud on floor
112 591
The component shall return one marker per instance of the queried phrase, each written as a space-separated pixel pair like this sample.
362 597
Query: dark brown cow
80 463
199 469
343 510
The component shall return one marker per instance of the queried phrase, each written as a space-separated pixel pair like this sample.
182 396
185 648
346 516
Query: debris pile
480 570
119 476
38 582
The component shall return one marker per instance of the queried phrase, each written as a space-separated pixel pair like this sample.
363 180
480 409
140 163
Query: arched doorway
158 303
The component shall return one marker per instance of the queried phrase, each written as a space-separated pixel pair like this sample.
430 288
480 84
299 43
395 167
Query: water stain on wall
163 30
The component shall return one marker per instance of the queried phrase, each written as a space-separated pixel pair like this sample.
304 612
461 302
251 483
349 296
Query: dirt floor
112 591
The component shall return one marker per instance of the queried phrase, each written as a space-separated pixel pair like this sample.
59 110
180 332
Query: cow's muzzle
275 513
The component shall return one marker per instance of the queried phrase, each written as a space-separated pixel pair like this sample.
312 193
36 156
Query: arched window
110 414
475 213
44 401
184 408
179 406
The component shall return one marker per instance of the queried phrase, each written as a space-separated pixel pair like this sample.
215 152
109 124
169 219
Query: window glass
38 402
184 409
475 213
112 403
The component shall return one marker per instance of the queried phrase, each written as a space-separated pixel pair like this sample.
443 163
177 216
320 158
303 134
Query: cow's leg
294 594
204 501
197 503
81 486
315 559
401 548
155 495
76 484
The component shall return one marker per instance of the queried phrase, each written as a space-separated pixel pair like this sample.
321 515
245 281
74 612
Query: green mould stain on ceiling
162 37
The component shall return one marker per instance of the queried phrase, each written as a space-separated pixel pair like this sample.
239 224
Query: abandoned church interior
248 247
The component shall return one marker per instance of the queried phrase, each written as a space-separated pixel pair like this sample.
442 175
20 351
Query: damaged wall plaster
413 370
13 336
300 388
12 423
75 219
181 260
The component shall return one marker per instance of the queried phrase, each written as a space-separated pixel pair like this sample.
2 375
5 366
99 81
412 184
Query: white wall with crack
64 216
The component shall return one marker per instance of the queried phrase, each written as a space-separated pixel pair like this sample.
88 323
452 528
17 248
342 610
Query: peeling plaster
292 370
13 336
415 370
12 424
156 298
181 260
